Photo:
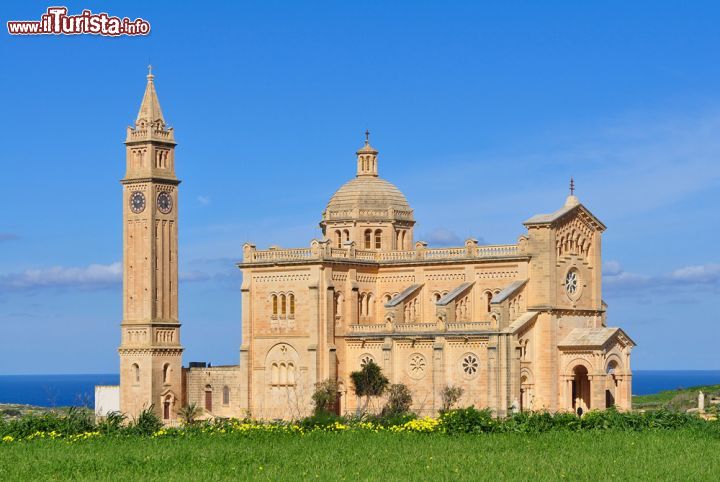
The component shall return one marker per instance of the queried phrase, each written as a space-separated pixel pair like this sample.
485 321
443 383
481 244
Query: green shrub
325 396
146 423
399 401
112 423
467 420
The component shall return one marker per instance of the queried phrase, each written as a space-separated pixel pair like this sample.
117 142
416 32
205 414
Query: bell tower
150 350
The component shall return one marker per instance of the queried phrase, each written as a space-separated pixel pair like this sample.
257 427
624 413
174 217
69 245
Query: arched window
370 307
226 395
283 305
275 374
378 239
291 374
166 372
208 398
387 298
437 297
346 235
275 305
368 239
292 305
136 372
338 239
283 374
488 300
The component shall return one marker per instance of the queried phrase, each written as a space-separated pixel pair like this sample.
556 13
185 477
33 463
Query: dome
368 197
373 197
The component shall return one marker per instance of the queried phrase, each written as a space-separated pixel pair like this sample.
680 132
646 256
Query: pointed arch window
166 373
368 239
274 305
292 305
378 239
283 305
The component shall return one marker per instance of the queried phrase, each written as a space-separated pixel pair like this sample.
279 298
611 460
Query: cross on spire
367 137
572 186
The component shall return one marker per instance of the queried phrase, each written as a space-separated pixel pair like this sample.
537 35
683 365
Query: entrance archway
580 388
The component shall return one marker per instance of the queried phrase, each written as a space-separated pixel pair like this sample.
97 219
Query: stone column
438 371
597 391
492 376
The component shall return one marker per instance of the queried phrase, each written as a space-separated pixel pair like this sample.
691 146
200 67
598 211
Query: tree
399 400
369 382
450 395
325 396
189 413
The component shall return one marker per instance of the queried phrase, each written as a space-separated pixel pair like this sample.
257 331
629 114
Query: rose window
571 283
365 359
417 365
470 364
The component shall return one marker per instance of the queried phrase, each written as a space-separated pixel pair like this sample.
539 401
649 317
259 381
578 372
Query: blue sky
481 113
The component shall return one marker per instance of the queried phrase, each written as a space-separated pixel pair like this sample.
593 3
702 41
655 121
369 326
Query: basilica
518 326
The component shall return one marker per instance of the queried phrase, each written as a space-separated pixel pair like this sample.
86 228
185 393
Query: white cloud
706 275
91 276
204 200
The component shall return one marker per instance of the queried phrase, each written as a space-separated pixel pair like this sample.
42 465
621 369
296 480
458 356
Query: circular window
417 365
469 364
572 284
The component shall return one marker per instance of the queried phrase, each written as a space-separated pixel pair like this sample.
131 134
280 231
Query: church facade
520 326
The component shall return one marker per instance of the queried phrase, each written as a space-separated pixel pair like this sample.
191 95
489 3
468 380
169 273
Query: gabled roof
508 291
561 213
407 292
592 337
521 321
454 293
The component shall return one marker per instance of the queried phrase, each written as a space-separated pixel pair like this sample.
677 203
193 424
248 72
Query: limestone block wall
214 380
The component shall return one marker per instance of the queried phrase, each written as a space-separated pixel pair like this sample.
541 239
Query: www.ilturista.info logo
56 21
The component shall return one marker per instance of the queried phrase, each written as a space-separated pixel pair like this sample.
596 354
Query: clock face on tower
164 202
137 202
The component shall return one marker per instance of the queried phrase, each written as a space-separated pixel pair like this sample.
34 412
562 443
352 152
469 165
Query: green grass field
606 455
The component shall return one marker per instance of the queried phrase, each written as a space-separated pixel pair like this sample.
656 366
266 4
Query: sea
79 390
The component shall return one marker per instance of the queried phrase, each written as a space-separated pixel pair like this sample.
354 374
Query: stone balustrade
420 327
321 250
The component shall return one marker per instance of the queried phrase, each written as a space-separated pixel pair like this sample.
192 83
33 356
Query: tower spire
367 158
150 112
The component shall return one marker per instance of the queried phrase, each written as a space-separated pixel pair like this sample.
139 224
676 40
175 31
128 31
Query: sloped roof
508 291
566 209
454 293
402 295
592 337
521 320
